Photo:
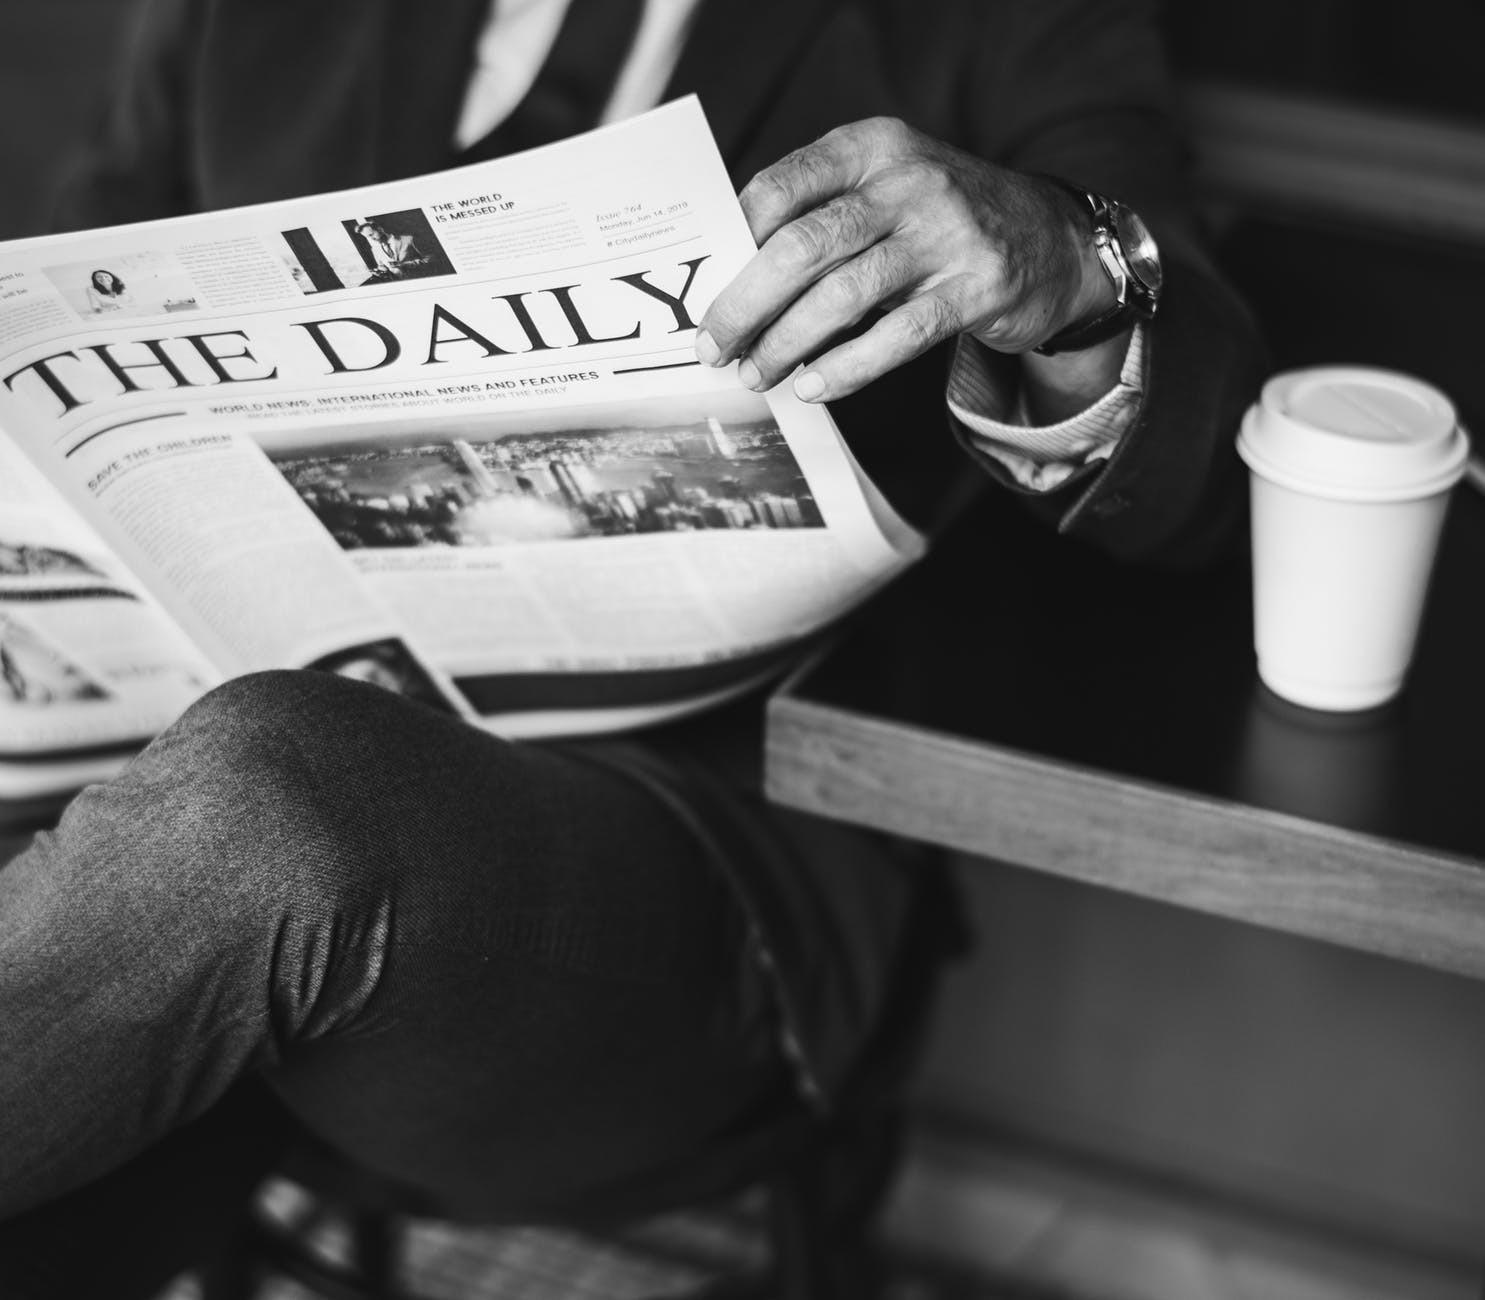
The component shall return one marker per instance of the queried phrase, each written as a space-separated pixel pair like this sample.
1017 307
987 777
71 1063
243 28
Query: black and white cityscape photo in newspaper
669 464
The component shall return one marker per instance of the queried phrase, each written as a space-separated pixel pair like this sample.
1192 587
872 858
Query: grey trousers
501 971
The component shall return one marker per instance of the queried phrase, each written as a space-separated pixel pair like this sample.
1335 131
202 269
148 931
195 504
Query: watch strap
1131 306
1104 326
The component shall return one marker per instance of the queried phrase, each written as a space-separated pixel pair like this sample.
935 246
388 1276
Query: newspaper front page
447 433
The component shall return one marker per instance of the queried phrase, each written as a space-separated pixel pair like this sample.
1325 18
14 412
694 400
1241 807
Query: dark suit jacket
227 102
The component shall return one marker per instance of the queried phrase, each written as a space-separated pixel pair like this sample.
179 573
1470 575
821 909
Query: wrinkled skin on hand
877 220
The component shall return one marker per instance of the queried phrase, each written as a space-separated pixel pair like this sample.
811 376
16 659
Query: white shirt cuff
1041 457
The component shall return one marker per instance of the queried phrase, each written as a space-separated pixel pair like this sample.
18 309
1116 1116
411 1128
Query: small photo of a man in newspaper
378 248
397 256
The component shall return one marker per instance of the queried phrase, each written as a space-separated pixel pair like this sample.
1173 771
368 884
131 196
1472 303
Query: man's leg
497 971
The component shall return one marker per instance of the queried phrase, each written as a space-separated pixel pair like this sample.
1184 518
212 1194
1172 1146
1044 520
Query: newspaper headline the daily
447 434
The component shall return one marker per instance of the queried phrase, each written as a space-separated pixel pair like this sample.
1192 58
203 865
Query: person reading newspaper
574 962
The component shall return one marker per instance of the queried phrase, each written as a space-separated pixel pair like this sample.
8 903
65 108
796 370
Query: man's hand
877 219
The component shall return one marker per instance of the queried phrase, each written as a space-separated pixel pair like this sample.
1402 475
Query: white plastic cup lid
1354 433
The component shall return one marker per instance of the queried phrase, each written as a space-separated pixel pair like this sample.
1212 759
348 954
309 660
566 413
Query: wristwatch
1127 252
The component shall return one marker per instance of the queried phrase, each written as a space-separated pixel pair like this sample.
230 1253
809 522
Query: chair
823 1175
818 1245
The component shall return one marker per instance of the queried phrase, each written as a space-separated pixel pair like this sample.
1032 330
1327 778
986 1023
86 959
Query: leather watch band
1136 297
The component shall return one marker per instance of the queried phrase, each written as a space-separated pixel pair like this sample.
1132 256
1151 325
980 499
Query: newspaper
447 434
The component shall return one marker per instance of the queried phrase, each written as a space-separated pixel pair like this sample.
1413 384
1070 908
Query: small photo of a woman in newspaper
106 292
136 282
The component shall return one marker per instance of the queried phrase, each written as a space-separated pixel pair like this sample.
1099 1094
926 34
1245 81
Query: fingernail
707 351
809 387
749 374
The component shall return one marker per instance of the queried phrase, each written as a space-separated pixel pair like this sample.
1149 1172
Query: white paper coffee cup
1351 472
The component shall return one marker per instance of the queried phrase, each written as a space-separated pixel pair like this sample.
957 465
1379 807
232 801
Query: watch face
1140 253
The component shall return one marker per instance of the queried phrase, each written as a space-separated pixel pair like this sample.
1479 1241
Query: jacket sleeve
135 166
1078 89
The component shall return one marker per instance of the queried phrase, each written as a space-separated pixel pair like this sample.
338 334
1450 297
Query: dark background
1424 55
55 60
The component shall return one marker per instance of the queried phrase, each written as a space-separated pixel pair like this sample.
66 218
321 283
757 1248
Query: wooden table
1021 698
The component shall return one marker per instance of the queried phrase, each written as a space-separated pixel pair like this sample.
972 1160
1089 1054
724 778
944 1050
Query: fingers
875 217
808 177
903 334
838 300
794 260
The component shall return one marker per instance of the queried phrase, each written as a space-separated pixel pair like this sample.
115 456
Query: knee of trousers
248 790
230 854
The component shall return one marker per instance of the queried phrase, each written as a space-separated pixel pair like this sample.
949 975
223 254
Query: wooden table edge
1216 856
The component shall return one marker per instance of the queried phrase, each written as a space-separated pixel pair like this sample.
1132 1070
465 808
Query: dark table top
1022 697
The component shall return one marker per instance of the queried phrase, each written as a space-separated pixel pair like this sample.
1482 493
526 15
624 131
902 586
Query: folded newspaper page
89 662
447 434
